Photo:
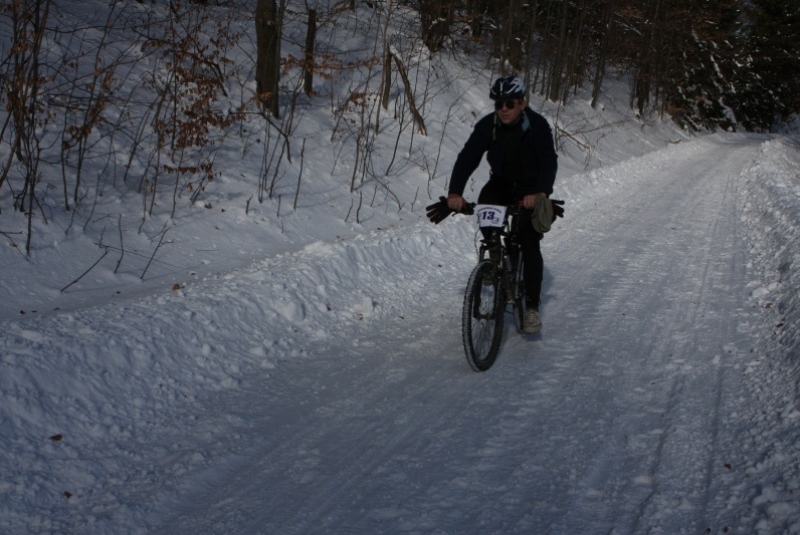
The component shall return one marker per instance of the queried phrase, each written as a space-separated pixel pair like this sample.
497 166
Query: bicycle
495 282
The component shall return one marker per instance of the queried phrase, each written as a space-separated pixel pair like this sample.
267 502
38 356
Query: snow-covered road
327 392
613 418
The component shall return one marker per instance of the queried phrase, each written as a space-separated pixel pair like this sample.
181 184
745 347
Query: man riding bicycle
519 147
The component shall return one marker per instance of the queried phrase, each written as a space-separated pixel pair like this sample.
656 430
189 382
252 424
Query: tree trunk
512 35
529 40
600 67
268 40
435 18
574 72
476 11
645 74
308 66
561 51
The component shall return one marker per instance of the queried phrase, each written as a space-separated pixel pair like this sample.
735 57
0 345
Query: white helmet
508 87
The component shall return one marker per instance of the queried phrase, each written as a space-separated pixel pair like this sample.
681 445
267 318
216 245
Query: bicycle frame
505 240
496 281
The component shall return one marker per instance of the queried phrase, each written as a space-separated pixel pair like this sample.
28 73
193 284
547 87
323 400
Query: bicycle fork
504 267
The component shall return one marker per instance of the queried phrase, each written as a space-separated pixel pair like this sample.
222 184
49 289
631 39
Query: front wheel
482 317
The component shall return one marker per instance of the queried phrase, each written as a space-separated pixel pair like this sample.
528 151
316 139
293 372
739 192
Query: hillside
259 367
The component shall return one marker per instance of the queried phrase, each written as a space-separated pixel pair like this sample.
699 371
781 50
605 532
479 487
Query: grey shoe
533 324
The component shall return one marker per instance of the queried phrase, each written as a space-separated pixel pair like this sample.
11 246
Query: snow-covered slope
272 368
325 390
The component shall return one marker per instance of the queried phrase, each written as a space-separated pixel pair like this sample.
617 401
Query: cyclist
519 147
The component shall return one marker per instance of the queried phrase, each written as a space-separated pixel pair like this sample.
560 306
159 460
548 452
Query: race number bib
490 215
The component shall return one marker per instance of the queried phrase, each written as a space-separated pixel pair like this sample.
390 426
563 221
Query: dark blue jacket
539 159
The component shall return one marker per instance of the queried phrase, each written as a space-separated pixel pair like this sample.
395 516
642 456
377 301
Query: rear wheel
519 292
482 317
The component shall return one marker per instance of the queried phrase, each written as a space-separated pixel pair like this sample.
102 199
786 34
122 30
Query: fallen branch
410 96
350 210
121 245
300 175
144 256
85 272
160 241
13 243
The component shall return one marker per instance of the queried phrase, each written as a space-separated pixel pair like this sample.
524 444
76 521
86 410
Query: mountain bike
495 283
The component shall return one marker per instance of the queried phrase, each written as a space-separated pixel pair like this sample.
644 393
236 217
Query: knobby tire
482 317
519 292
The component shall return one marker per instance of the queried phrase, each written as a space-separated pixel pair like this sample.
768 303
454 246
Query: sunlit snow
299 373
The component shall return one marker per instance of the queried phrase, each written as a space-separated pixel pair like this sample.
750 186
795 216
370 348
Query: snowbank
771 212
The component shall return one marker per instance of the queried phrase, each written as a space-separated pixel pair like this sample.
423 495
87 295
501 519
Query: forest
139 96
708 64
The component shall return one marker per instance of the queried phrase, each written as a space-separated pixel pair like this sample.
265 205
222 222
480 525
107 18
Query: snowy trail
662 288
326 390
611 421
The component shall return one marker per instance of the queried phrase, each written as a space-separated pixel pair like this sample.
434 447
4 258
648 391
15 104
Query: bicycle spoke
482 321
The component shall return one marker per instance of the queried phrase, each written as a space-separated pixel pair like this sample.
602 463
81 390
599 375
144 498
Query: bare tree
23 87
436 16
268 42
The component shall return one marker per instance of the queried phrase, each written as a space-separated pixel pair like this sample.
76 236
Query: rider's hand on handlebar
456 202
529 201
439 211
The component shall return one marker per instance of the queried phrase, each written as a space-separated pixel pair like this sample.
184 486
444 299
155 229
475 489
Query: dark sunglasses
509 104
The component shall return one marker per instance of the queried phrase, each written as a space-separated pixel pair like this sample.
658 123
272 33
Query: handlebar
469 208
438 212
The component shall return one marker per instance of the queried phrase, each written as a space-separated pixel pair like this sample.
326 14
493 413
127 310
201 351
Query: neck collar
523 118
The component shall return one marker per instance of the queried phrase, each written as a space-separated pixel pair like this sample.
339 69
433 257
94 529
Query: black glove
438 212
558 211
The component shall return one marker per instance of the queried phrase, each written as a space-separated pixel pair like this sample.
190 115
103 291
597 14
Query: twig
300 175
160 241
85 272
409 94
13 243
281 132
121 246
145 256
580 144
388 191
348 211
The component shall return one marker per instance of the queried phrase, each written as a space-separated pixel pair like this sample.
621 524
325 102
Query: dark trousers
497 192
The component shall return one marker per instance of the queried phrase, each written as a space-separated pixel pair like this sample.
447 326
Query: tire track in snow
591 427
682 499
658 343
353 419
